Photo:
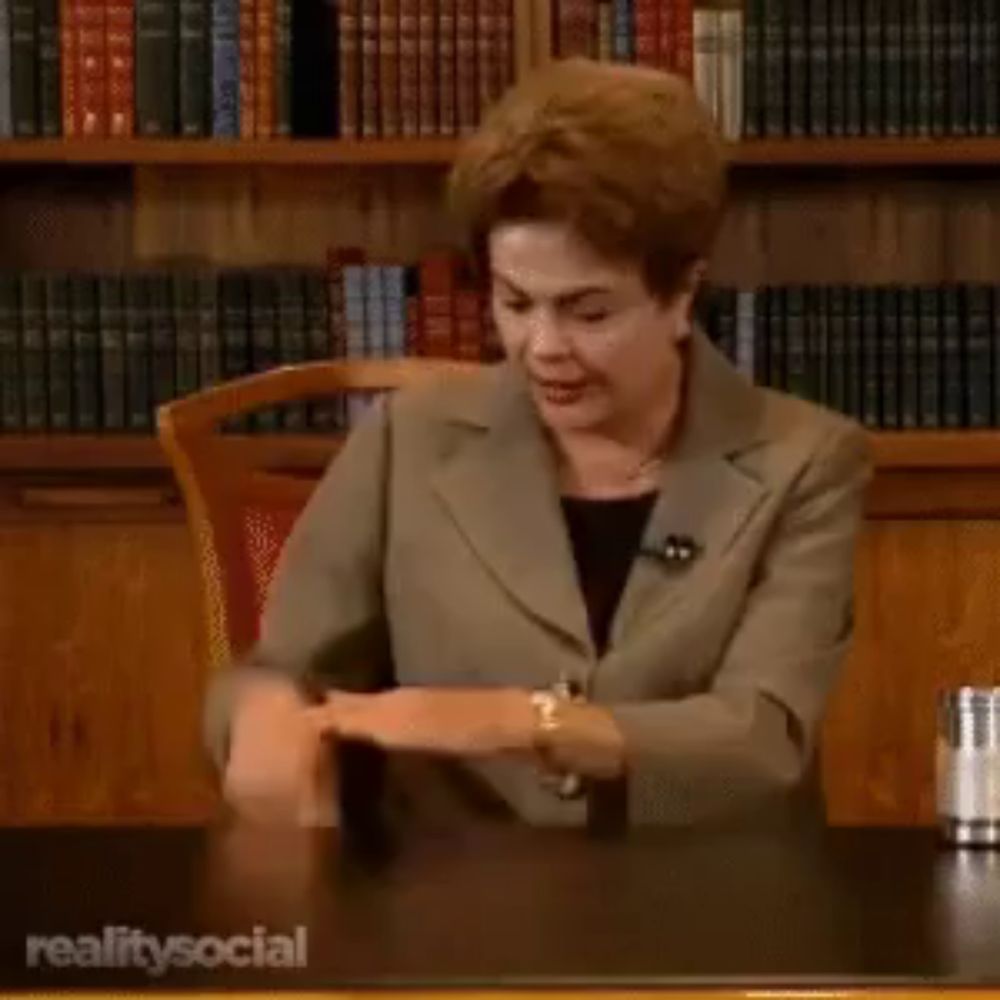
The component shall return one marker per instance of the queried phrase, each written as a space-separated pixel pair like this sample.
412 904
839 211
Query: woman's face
600 352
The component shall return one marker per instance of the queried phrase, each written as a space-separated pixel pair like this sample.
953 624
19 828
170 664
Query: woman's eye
592 317
517 306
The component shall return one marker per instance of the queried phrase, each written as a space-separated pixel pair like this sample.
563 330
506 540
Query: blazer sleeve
323 622
750 739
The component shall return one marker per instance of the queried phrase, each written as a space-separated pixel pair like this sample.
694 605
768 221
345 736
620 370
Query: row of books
893 357
100 352
251 69
871 68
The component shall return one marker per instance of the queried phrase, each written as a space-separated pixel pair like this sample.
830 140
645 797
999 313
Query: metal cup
968 766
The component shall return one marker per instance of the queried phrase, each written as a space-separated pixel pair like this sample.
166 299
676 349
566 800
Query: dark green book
871 359
977 311
854 371
929 320
162 341
888 323
59 342
323 414
234 317
940 68
187 326
24 68
111 310
263 340
11 376
990 14
283 13
909 66
837 61
976 69
958 67
209 339
775 70
138 355
797 88
194 68
854 67
49 70
796 356
777 344
156 67
952 374
819 311
909 356
819 67
85 325
753 76
762 337
837 357
34 364
925 94
874 68
892 69
292 337
726 323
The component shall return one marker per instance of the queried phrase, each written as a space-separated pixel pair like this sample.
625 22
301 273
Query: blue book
375 312
395 310
6 110
622 31
356 345
226 69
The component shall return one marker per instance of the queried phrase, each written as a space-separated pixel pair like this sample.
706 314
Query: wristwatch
548 704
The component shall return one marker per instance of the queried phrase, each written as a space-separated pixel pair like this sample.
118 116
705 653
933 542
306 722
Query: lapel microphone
674 552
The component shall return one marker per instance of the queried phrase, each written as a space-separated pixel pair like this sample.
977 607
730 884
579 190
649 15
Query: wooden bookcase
99 631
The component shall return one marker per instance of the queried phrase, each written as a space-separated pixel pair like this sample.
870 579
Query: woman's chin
568 411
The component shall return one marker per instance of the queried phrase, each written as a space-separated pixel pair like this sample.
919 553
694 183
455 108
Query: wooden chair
243 493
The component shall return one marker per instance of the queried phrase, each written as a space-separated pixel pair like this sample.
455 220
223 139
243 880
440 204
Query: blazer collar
500 488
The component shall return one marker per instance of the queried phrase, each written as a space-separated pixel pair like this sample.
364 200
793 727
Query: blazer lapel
500 490
704 495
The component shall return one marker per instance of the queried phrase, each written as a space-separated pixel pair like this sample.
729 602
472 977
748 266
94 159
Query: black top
511 906
605 535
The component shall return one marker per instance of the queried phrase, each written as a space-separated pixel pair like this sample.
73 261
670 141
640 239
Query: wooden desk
503 908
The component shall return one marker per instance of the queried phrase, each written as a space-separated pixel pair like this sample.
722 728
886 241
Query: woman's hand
279 771
459 722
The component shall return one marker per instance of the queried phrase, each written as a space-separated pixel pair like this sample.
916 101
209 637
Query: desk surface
510 907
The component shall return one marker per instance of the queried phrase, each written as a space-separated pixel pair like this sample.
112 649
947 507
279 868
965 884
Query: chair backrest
243 493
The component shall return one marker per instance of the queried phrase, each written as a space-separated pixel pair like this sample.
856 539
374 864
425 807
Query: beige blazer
440 519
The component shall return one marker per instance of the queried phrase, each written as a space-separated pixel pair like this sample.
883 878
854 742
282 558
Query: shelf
916 450
753 154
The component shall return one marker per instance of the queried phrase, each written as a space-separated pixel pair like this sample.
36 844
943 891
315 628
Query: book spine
49 78
92 71
468 332
389 69
226 69
409 68
234 303
194 69
138 358
6 105
874 121
162 341
853 353
940 68
34 353
59 342
777 342
752 76
248 68
837 354
24 68
439 94
797 88
121 68
925 67
909 66
706 62
646 14
761 353
775 75
264 74
871 360
209 341
952 375
665 43
683 60
888 323
436 305
156 67
796 367
322 414
111 324
370 85
376 334
909 354
837 99
958 66
414 331
291 324
263 342
929 321
86 346
11 375
504 56
745 339
283 70
819 67
892 44
394 278
991 69
70 68
976 68
487 68
854 68
184 293
731 73
349 43
977 309
466 108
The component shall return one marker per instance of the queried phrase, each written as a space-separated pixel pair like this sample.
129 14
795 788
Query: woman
608 563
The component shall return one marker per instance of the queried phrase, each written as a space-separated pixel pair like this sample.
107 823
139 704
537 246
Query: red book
466 95
576 28
121 67
388 67
487 63
264 71
492 346
414 333
349 42
370 88
409 67
437 305
248 69
505 45
684 37
436 47
647 32
70 68
92 60
468 330
666 48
